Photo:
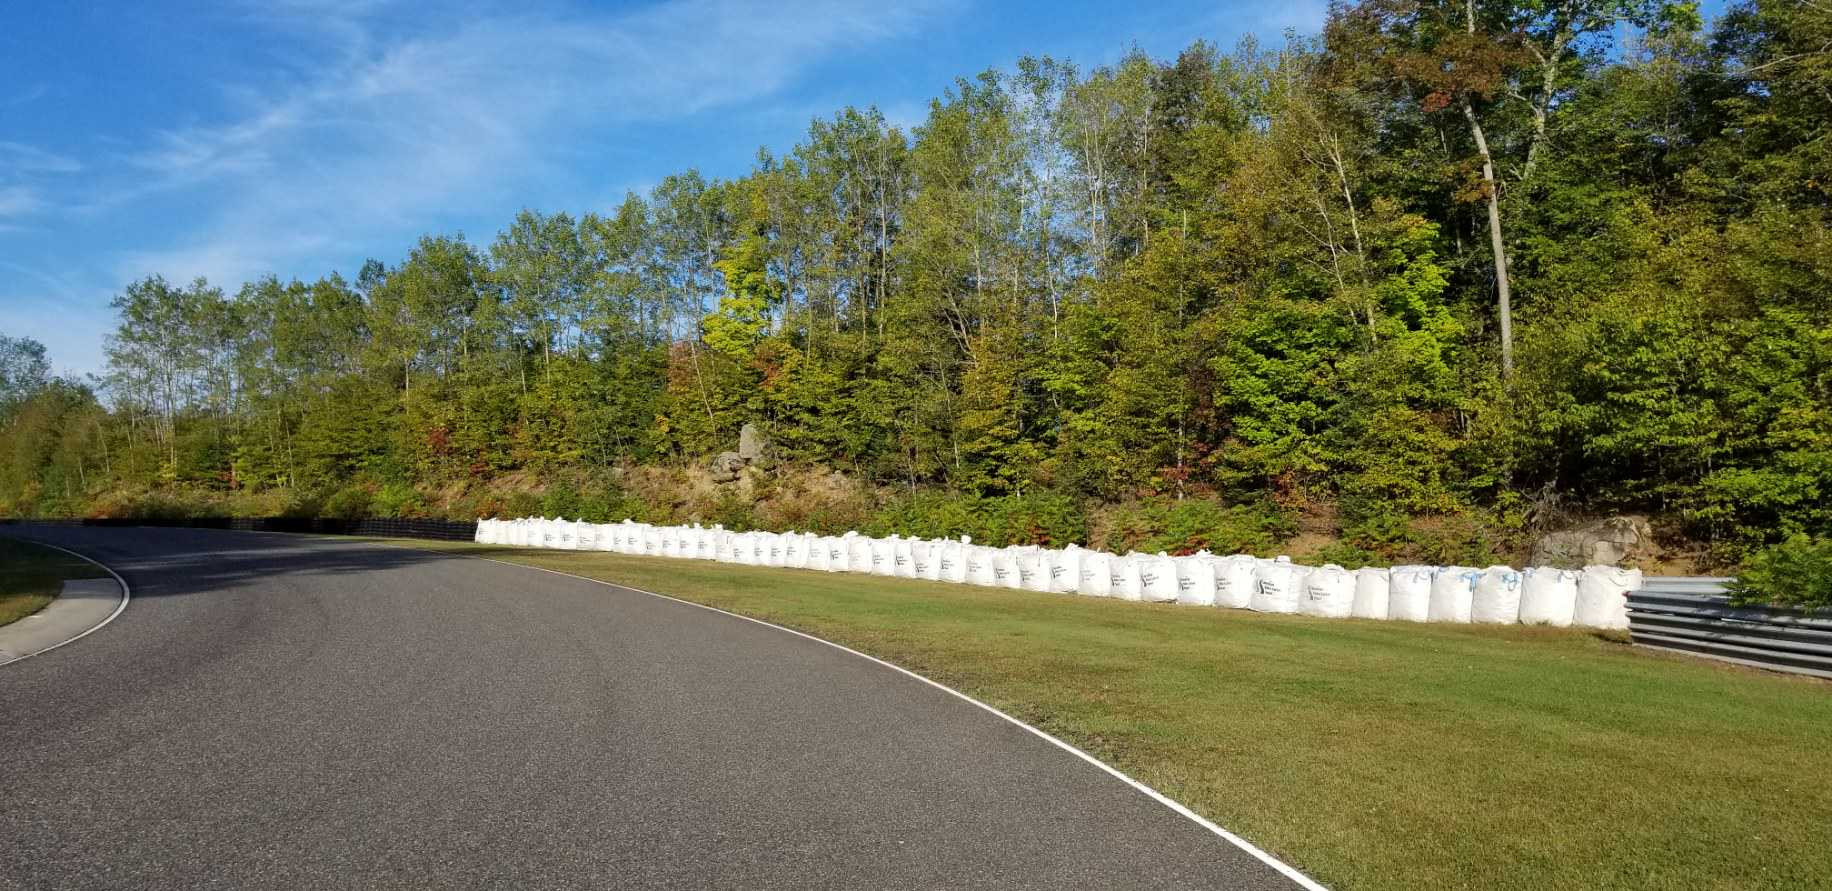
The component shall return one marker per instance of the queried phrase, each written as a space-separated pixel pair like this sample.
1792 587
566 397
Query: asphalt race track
284 711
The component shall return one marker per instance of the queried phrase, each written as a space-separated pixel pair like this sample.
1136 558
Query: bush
561 500
1052 520
1195 524
517 505
1445 540
399 500
1796 572
348 503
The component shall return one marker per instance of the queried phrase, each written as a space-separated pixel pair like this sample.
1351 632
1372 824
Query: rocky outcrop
1611 541
727 467
753 446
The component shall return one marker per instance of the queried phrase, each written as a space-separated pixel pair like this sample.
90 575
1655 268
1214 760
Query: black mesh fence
449 530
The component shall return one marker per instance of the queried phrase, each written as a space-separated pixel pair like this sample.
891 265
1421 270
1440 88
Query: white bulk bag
1096 574
769 549
794 549
1603 596
1497 597
1329 592
566 534
1236 580
585 536
819 557
1370 593
858 552
1548 596
606 533
1409 593
1453 594
1005 569
903 558
517 533
1278 586
979 564
671 541
725 547
953 561
1157 578
1033 569
884 556
652 541
744 549
481 534
1128 582
925 559
838 554
1064 569
1196 579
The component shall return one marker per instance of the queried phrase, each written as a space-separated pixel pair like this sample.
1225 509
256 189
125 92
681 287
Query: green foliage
1391 538
1795 572
998 521
349 503
399 500
1185 526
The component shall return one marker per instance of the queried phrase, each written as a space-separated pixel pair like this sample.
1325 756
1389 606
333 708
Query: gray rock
753 446
727 467
1611 541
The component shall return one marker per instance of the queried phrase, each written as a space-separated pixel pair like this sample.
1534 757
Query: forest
1421 286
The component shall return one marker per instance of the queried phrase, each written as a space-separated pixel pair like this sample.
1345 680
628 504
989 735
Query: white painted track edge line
1283 868
126 594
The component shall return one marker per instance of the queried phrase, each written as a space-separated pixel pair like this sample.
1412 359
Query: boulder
1611 541
727 467
753 446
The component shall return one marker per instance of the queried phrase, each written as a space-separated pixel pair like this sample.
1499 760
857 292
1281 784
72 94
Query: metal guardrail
1693 615
447 530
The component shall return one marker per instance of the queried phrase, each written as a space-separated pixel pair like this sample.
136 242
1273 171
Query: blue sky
298 137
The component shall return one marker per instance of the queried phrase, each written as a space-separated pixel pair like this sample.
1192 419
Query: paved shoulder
83 606
283 711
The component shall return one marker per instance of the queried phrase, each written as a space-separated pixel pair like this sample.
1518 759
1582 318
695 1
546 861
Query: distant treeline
1486 259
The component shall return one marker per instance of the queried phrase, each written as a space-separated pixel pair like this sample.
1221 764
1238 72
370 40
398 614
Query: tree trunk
1504 310
1503 297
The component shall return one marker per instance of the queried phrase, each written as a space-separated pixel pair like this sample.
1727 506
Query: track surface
282 711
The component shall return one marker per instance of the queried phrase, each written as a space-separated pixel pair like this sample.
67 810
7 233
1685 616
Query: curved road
282 711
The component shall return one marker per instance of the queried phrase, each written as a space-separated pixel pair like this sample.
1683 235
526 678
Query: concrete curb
83 608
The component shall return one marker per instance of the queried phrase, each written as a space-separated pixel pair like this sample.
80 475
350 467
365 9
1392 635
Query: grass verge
31 576
1368 754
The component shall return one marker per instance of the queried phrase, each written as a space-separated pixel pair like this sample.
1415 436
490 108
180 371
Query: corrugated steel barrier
1693 615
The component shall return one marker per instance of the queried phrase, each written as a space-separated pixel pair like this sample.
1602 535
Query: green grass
1368 754
32 575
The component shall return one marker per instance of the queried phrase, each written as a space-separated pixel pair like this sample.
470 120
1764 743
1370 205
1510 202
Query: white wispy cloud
407 126
17 201
20 158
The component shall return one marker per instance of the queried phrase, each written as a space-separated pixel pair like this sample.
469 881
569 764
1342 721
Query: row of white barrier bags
1593 597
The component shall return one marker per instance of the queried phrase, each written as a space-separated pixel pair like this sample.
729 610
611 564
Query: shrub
520 504
348 503
1445 540
1195 524
561 500
1796 572
398 500
1053 520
